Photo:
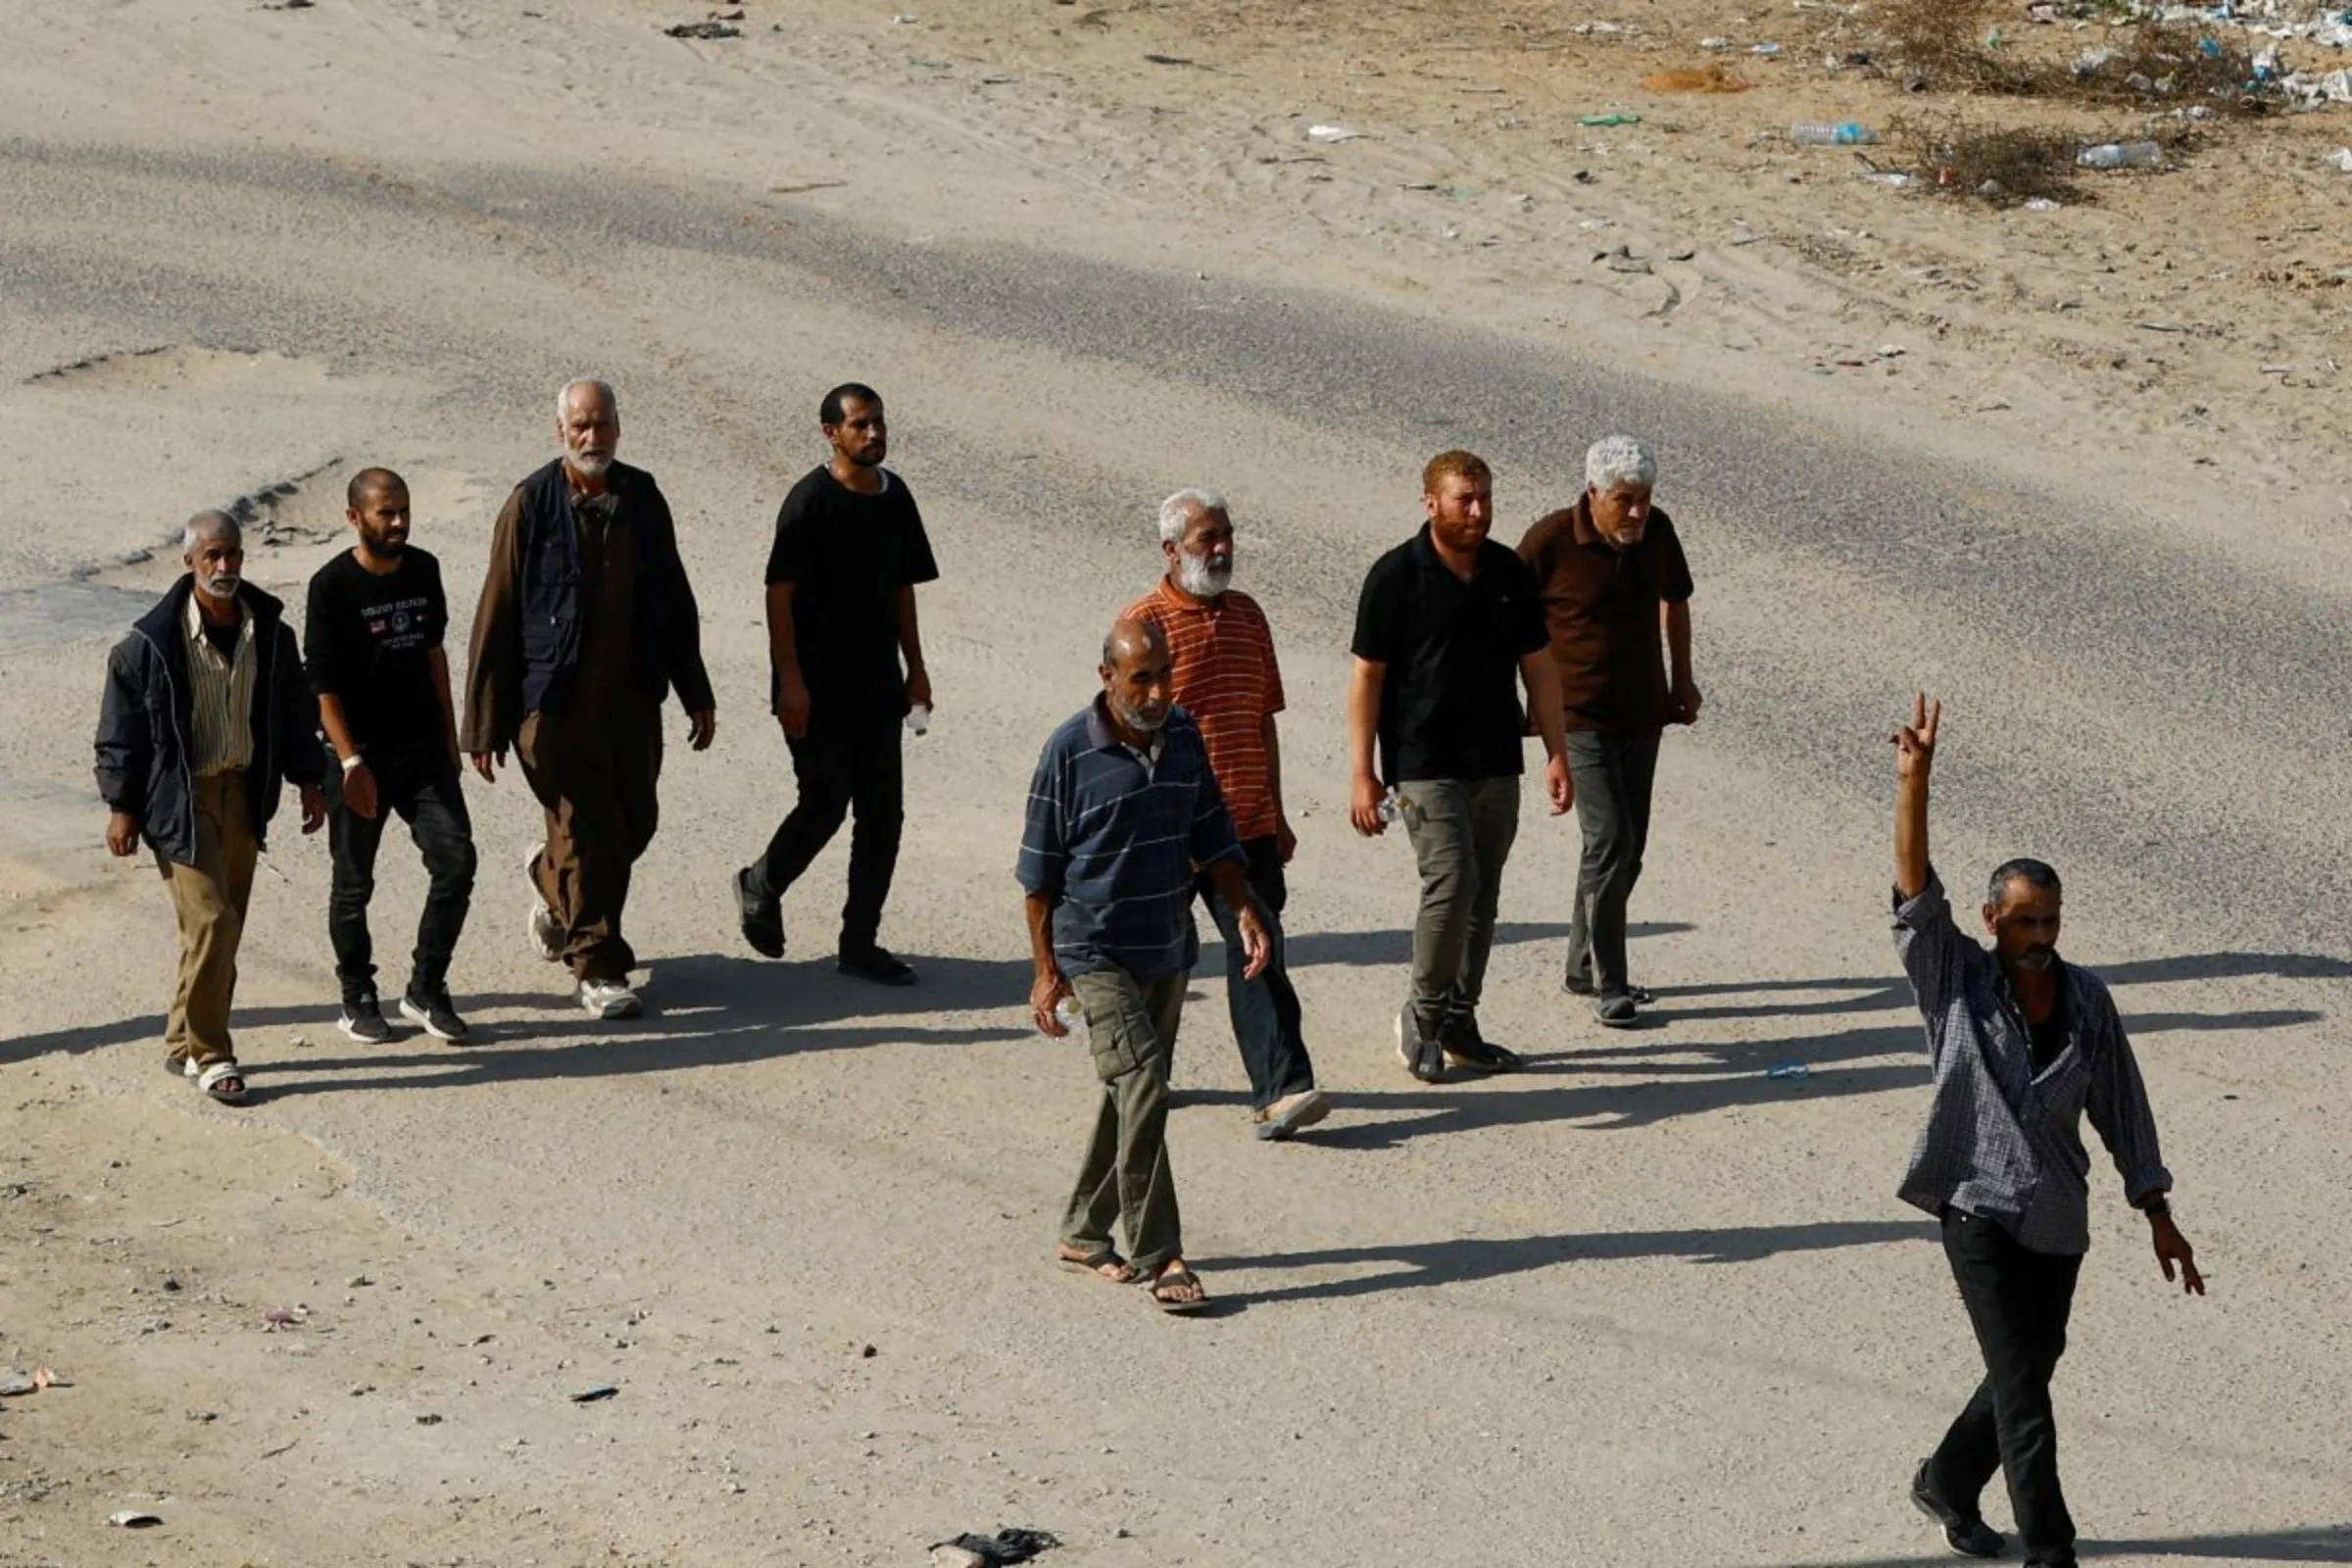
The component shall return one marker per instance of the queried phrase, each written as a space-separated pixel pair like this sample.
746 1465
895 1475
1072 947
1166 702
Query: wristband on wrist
2156 1207
351 761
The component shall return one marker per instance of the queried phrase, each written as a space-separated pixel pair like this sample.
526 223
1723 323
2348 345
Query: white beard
588 468
1196 576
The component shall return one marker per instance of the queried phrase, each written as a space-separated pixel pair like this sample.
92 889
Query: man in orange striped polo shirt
1227 680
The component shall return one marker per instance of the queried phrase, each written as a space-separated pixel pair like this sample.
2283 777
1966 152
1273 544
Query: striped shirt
1227 679
2003 1139
220 697
1113 836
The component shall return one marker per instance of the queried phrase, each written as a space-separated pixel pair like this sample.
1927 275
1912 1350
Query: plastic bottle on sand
2122 154
1848 134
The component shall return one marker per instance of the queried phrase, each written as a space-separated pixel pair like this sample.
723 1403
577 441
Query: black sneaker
1965 1533
430 1011
1617 1011
1582 986
363 1020
879 965
1425 1060
1467 1048
761 913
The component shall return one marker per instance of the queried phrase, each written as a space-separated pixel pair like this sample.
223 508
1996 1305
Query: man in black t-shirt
848 667
371 642
1447 626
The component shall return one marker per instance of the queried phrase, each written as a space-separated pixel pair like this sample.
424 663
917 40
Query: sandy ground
1640 1305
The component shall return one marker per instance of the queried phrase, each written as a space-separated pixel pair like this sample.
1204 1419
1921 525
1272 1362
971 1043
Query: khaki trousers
211 898
1131 1029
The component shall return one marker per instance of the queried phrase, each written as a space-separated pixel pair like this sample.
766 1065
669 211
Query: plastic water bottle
1070 1011
1787 1070
1848 134
918 720
1392 807
2122 154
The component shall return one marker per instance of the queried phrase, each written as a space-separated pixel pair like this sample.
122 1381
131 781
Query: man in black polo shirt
849 549
1447 626
373 646
1615 589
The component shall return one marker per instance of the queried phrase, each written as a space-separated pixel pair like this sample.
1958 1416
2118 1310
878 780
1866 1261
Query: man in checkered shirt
2021 1044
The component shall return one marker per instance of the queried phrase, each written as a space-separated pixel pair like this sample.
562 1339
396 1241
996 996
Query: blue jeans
1264 1011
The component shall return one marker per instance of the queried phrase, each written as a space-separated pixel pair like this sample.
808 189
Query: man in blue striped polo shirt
1121 812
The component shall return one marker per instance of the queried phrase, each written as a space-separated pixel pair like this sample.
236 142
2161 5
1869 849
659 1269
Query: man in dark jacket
205 713
586 624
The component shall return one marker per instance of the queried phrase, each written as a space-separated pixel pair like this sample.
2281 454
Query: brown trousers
594 770
211 898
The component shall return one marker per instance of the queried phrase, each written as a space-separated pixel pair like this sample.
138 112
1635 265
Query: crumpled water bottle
919 720
1392 807
1069 1012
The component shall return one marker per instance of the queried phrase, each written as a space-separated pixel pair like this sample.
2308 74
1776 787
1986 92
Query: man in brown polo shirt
1616 588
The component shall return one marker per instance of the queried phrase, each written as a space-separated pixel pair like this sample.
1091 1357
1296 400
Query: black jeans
1264 1011
1613 770
2018 1301
429 799
855 767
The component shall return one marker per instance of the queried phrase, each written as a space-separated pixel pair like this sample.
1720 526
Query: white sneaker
547 937
609 999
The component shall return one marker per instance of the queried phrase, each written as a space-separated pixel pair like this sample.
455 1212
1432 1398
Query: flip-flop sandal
1091 1267
1179 1306
216 1078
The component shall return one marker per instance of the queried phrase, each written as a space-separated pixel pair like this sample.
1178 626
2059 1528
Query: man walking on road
1614 584
2021 1044
847 661
1227 680
371 639
586 622
1121 811
1447 626
205 713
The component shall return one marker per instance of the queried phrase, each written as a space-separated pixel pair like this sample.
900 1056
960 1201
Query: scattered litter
1620 117
1586 176
2341 158
2041 204
704 30
1848 133
1714 43
1006 1546
1768 50
359 1282
285 1317
1329 134
905 19
1420 185
1461 193
2122 154
132 1518
1707 78
870 1352
1789 1070
1168 59
1682 253
1892 351
1889 176
14 1382
283 1449
594 1393
1589 28
1621 259
428 1420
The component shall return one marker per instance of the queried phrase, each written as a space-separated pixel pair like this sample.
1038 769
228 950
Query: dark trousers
1264 1011
432 803
2018 1301
594 770
1613 770
839 771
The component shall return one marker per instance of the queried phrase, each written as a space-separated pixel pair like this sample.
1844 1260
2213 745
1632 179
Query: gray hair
1175 513
204 525
1620 463
603 388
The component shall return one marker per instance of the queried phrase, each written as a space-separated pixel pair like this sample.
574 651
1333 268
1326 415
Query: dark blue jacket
526 631
145 727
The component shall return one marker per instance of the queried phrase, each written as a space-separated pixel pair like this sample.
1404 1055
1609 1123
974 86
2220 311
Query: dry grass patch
1954 154
1942 45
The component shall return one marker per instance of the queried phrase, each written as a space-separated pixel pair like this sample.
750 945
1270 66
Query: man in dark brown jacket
586 624
1615 583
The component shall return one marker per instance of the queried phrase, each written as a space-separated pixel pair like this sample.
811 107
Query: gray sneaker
1425 1060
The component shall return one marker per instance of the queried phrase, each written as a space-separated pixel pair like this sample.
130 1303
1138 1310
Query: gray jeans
1461 829
1613 771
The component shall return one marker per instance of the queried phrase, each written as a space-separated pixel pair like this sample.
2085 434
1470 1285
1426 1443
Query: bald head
1136 677
213 545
